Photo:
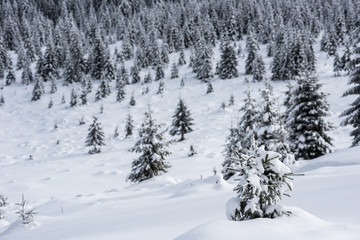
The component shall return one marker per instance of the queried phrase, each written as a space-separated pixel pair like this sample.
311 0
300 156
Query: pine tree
53 86
258 68
116 132
148 78
10 77
230 152
25 214
347 63
263 181
352 114
306 123
132 101
83 95
129 126
120 92
153 148
95 138
248 123
74 98
159 69
253 49
161 88
2 100
228 63
192 151
338 65
26 75
210 88
135 74
231 100
63 101
51 103
182 60
38 90
103 91
182 121
174 71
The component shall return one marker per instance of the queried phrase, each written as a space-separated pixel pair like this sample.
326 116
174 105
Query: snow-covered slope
81 196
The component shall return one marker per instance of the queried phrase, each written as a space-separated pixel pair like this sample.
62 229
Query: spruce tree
209 88
262 182
338 65
352 114
10 77
228 63
253 49
161 88
120 92
306 123
73 98
258 68
103 90
38 90
83 96
159 69
153 148
182 60
135 74
53 87
132 101
182 121
148 78
26 75
95 138
230 152
129 126
174 71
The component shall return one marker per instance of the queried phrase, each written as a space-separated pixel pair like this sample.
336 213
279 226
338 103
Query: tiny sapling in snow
26 215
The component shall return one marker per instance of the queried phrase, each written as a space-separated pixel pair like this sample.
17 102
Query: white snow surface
78 196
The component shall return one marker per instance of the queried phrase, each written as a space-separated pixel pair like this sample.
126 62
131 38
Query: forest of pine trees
117 44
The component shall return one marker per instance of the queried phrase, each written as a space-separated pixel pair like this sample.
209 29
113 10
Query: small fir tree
73 98
51 103
231 100
161 88
116 132
38 90
129 126
132 101
103 90
182 60
192 151
25 214
174 71
210 88
2 100
338 65
10 77
182 121
120 92
63 101
262 182
148 78
53 86
153 148
230 152
95 138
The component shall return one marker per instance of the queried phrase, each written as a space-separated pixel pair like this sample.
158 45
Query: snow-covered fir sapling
192 151
153 148
2 100
129 126
53 86
262 182
232 146
10 78
161 88
51 103
182 82
132 101
148 78
116 132
231 100
73 98
101 108
210 88
26 214
174 71
3 204
63 101
223 105
95 138
182 121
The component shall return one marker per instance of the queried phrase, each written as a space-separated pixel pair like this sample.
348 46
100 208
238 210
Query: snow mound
154 183
300 225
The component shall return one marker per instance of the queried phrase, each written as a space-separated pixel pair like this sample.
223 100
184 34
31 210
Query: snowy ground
80 196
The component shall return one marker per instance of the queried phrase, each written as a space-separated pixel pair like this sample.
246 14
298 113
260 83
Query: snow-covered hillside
81 196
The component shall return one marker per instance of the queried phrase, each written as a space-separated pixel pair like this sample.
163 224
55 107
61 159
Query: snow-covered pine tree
95 138
203 65
153 148
253 49
182 60
338 65
262 182
132 101
10 77
174 71
25 214
83 95
159 72
53 87
306 123
103 90
182 121
192 151
38 90
346 61
135 74
231 100
230 152
258 68
120 92
228 63
73 98
2 100
161 88
209 88
26 75
248 122
129 126
352 114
